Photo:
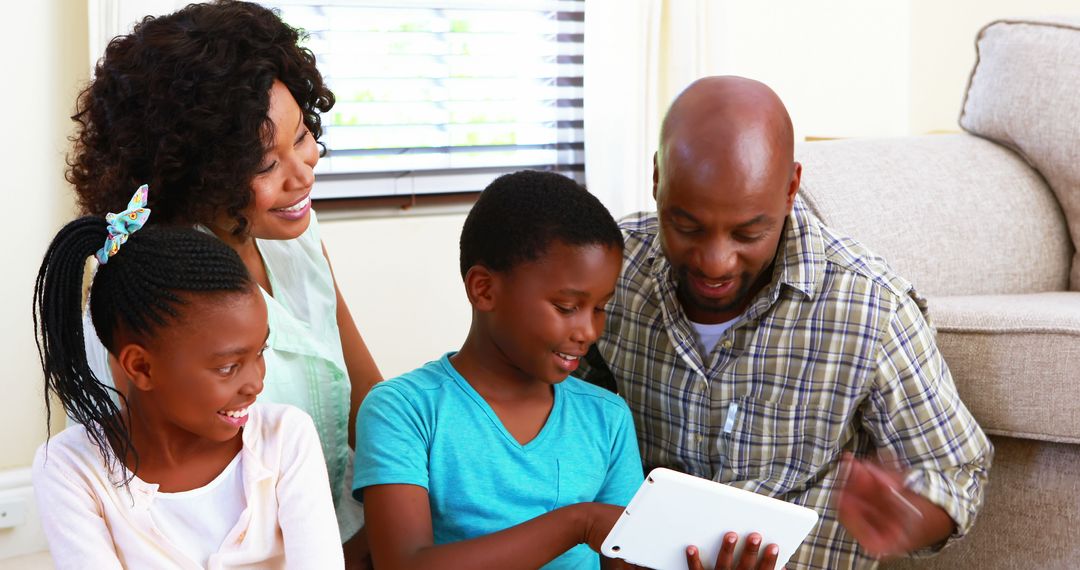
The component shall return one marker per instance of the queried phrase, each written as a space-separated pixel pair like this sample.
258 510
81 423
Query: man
759 348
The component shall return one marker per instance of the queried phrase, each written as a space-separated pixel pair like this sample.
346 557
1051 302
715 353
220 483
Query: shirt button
726 343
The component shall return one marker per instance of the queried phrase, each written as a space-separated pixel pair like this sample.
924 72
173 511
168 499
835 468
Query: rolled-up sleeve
917 419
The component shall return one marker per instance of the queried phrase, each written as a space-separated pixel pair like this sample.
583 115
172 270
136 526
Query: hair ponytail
58 331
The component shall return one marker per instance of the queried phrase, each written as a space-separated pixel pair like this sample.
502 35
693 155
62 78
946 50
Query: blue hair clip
124 224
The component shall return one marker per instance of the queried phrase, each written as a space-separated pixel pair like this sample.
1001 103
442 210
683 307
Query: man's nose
718 259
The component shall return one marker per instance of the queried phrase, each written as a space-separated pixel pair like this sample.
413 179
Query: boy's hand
725 560
599 518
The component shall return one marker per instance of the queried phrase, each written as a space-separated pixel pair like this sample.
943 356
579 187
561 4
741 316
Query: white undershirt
709 335
197 521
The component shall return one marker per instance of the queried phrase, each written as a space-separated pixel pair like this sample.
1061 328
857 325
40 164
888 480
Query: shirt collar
800 259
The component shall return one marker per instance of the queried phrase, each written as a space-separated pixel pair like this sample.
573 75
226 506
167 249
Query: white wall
943 51
840 66
45 58
850 68
400 278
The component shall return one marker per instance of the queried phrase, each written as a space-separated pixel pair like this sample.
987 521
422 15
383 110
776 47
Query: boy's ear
480 286
134 361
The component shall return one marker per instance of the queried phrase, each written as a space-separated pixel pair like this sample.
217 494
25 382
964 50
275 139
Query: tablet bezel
673 510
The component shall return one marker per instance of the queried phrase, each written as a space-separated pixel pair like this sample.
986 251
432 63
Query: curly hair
519 216
181 104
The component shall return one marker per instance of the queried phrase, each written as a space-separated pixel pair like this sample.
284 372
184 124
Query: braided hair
141 288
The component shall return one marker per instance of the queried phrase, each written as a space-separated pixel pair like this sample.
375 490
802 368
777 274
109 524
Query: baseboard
17 500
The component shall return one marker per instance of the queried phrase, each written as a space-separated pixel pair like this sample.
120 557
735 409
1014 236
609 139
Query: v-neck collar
496 422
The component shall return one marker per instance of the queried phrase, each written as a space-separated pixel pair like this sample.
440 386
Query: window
442 97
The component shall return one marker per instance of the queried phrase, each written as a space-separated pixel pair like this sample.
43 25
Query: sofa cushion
1015 360
954 214
1023 94
1030 516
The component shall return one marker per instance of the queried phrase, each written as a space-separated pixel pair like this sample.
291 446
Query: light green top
305 366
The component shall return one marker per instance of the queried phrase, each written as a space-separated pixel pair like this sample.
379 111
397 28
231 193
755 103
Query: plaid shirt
834 354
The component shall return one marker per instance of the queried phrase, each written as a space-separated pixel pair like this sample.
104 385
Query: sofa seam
1001 331
1052 438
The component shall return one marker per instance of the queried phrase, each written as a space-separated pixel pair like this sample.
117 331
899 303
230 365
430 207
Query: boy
494 457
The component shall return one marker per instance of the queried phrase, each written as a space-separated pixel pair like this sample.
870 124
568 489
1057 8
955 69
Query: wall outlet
12 512
20 527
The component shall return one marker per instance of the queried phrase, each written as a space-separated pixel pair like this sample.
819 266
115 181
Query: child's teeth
567 356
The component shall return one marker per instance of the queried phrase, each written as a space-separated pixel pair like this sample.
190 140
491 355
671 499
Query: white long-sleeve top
288 521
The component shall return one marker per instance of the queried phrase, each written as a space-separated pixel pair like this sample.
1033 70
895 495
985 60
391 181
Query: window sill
394 206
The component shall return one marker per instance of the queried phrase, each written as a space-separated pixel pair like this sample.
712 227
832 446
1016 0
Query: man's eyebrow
760 218
677 211
573 292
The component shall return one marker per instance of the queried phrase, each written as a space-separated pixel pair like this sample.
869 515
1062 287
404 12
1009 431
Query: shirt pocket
774 446
578 482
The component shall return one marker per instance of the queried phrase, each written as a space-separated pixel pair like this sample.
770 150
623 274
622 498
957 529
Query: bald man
759 348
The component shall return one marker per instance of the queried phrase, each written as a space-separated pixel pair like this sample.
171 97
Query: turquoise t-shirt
430 428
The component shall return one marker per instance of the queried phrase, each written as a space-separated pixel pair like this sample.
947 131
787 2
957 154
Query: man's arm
918 423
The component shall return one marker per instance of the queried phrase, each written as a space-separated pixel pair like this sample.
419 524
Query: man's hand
887 518
725 560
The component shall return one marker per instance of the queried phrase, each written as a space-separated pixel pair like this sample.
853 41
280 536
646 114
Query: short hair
519 216
142 288
181 104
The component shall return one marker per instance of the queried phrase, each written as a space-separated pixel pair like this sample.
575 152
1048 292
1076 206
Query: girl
189 472
216 106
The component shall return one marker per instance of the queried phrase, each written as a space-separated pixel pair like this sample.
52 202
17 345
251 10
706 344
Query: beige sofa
980 222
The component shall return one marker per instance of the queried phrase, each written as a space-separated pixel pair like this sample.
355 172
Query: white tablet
673 510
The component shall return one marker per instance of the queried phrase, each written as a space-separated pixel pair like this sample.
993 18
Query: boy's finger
726 558
750 552
768 562
693 561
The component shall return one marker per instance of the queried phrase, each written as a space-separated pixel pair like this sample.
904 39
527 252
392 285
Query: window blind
442 97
